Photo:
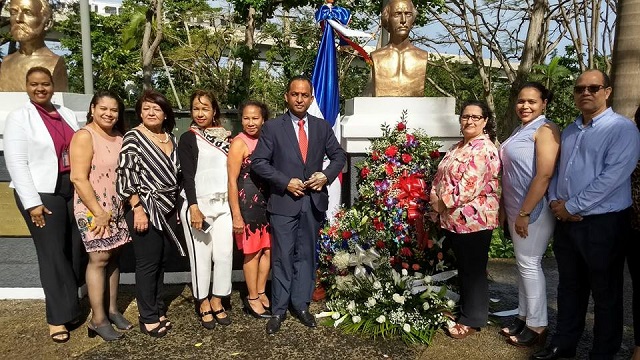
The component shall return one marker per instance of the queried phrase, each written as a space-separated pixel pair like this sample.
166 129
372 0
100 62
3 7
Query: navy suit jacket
277 159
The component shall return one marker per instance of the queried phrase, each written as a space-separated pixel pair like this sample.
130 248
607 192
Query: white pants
215 246
532 287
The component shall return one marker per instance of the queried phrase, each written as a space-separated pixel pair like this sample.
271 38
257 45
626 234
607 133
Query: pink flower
405 265
410 138
415 267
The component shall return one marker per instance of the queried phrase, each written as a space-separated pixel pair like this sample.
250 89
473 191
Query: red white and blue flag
326 90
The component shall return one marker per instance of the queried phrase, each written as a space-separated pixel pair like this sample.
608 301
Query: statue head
398 18
30 19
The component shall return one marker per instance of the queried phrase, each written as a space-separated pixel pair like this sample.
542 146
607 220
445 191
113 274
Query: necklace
166 140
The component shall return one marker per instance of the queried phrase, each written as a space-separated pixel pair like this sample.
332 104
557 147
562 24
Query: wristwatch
523 213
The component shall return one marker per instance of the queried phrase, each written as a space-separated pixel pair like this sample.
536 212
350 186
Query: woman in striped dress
529 158
148 170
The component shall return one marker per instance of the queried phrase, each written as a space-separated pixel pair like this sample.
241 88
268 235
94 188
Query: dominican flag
326 91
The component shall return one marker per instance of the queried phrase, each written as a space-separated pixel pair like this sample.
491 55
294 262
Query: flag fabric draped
326 104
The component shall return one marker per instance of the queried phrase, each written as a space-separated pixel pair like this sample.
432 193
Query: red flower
364 172
328 258
440 256
389 169
401 126
346 235
405 251
415 267
375 156
378 224
392 260
380 244
405 265
406 158
435 154
391 151
410 138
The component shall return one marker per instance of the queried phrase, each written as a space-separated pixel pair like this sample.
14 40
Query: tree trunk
149 49
249 32
626 58
532 54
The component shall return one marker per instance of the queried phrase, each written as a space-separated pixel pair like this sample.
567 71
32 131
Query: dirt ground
24 333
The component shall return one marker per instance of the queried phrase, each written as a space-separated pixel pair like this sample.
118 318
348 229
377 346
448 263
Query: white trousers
215 247
532 287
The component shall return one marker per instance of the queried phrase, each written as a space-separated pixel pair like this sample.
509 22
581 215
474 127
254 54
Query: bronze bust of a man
399 68
30 20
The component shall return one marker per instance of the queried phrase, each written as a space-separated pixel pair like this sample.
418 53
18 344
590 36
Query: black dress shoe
305 317
552 353
273 325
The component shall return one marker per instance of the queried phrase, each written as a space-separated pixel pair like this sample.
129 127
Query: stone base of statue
10 101
364 116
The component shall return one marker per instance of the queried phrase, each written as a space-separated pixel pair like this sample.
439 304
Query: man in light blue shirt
590 195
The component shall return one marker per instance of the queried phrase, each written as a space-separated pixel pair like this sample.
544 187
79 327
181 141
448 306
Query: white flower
344 282
425 305
341 260
337 322
427 279
377 285
405 272
355 319
398 298
371 302
351 306
451 303
406 328
381 319
335 315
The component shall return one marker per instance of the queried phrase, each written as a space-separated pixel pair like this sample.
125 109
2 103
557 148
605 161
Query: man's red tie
302 140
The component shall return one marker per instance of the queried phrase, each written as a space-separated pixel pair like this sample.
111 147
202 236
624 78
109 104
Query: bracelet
137 205
523 213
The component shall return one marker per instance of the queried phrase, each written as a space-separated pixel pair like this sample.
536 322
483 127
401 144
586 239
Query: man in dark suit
289 156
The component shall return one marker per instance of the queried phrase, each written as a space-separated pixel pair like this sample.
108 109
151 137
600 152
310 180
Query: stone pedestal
364 115
10 101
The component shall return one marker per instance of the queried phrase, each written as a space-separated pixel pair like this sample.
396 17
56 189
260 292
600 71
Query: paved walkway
24 333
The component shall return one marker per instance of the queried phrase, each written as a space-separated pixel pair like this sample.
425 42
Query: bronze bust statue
399 68
30 20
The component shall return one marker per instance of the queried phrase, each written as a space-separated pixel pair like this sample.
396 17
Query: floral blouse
467 183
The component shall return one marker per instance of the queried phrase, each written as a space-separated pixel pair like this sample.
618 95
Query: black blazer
277 159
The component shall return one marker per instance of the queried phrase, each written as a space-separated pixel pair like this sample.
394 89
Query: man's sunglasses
592 89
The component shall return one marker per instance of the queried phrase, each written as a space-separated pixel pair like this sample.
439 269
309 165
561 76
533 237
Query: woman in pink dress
248 201
98 211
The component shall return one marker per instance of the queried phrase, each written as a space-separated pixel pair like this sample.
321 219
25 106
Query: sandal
156 332
222 320
514 329
58 340
461 331
166 323
106 332
528 338
120 321
266 307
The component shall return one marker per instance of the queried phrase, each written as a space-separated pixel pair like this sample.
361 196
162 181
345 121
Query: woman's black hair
214 103
155 97
264 110
545 94
109 94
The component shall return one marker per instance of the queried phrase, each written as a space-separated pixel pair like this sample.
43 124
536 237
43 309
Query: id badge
65 157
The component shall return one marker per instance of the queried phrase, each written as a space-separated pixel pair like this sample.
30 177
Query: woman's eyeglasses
592 89
474 118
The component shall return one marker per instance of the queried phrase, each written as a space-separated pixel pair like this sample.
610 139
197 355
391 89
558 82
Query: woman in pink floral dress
464 194
98 211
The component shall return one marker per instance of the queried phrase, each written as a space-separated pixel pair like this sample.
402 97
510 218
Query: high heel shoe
106 332
514 329
209 325
249 310
155 332
528 338
267 307
222 320
120 321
